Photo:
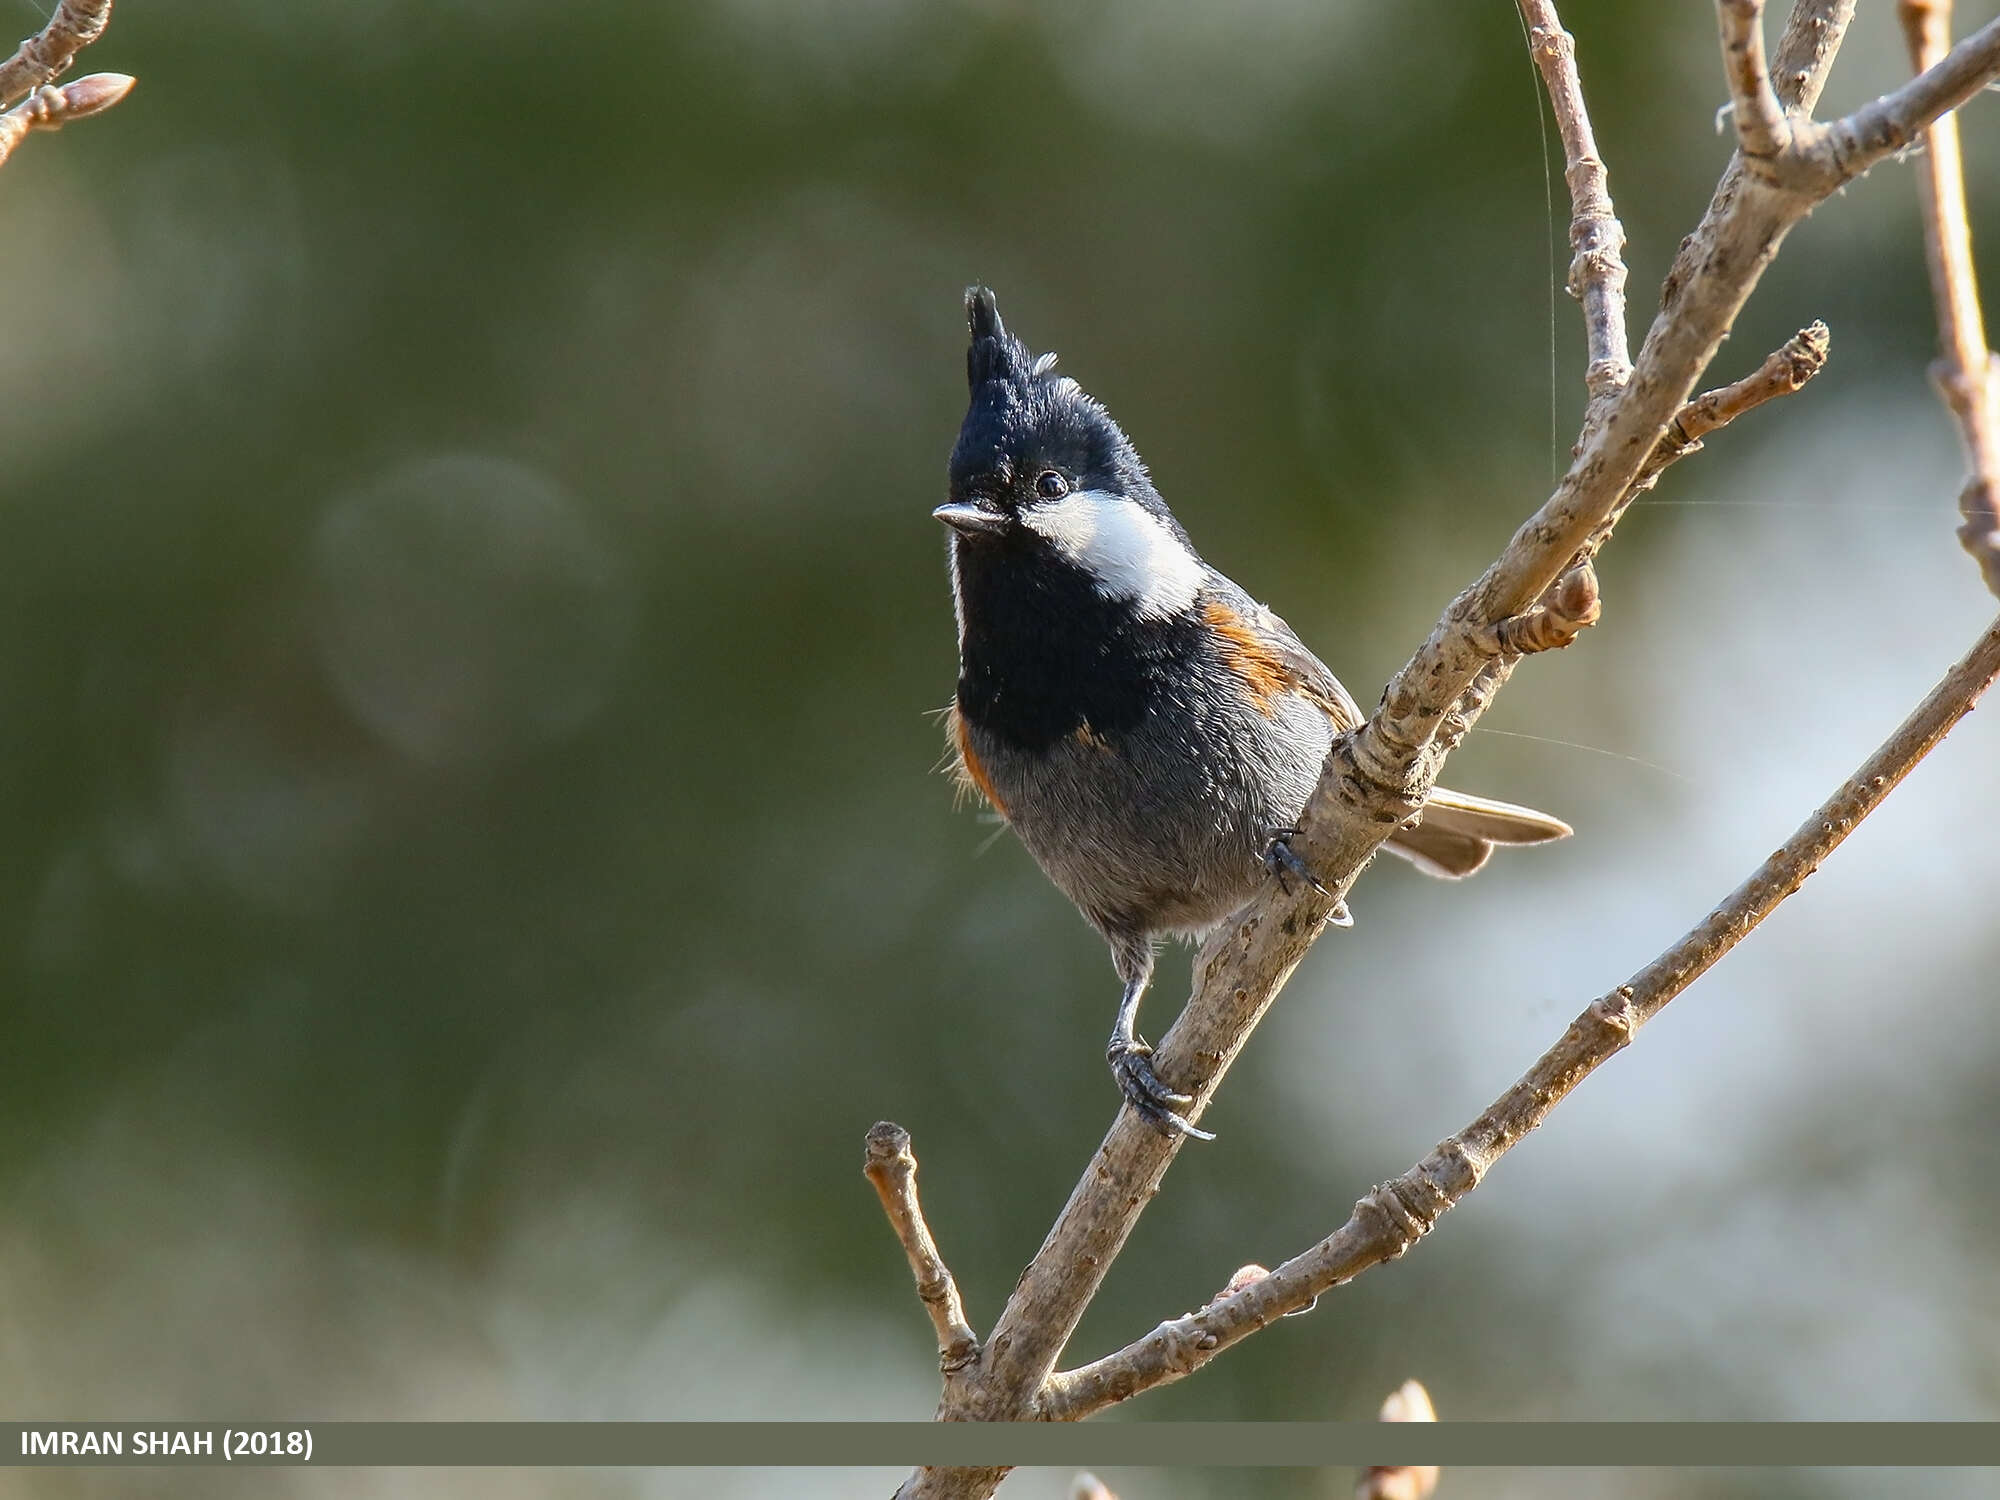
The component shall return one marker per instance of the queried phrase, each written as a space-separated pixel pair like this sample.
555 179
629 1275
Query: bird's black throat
1046 653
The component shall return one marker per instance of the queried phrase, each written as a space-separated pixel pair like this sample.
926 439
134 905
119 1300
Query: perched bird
1148 729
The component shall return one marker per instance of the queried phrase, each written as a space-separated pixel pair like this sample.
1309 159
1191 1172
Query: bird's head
1041 473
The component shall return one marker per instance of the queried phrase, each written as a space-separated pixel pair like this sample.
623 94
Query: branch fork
1789 151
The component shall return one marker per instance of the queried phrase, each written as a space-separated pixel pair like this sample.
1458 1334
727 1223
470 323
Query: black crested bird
1148 729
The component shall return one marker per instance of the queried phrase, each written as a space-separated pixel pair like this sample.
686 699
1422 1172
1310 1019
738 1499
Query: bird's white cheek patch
1127 549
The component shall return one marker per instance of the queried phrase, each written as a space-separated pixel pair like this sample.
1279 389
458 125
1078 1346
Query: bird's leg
1131 1056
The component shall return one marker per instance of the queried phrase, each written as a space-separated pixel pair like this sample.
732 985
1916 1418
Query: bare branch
1941 185
1390 1219
51 108
1715 272
1572 603
1965 373
1828 155
1380 774
1762 130
892 1167
46 56
1597 239
1812 37
1375 779
1784 371
1409 1402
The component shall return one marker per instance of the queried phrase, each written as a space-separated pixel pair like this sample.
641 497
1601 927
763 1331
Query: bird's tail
1456 833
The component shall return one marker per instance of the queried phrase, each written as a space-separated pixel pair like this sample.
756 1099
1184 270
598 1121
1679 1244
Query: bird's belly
1161 828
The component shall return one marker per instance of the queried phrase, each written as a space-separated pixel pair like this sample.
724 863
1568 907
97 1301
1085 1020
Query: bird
1148 730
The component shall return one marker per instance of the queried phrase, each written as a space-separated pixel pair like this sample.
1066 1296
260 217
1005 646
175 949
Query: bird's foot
1132 1065
1280 861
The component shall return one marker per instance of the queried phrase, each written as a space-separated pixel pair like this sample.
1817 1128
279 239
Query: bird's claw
1158 1104
1281 861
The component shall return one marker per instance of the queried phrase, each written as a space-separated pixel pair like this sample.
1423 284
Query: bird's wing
1315 681
1269 654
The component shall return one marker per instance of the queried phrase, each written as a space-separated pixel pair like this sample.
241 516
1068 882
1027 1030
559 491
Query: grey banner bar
1111 1444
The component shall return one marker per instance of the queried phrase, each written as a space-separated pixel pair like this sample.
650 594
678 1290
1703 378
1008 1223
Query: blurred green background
474 864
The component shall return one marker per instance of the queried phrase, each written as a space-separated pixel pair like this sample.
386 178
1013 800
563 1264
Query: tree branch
1597 271
892 1166
1241 968
1392 1218
1718 266
1784 371
1812 37
46 56
1378 776
1571 602
1762 131
1965 374
1828 155
51 108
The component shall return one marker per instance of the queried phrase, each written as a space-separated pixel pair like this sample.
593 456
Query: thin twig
46 56
1761 127
1409 1402
1784 372
1597 239
892 1167
1389 1220
51 108
1572 602
1965 373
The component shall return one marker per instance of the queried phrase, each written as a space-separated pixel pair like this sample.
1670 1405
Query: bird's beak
970 520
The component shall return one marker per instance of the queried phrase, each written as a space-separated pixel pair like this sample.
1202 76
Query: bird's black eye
1051 485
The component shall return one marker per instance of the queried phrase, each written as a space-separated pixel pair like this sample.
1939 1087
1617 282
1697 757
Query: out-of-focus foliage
474 868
